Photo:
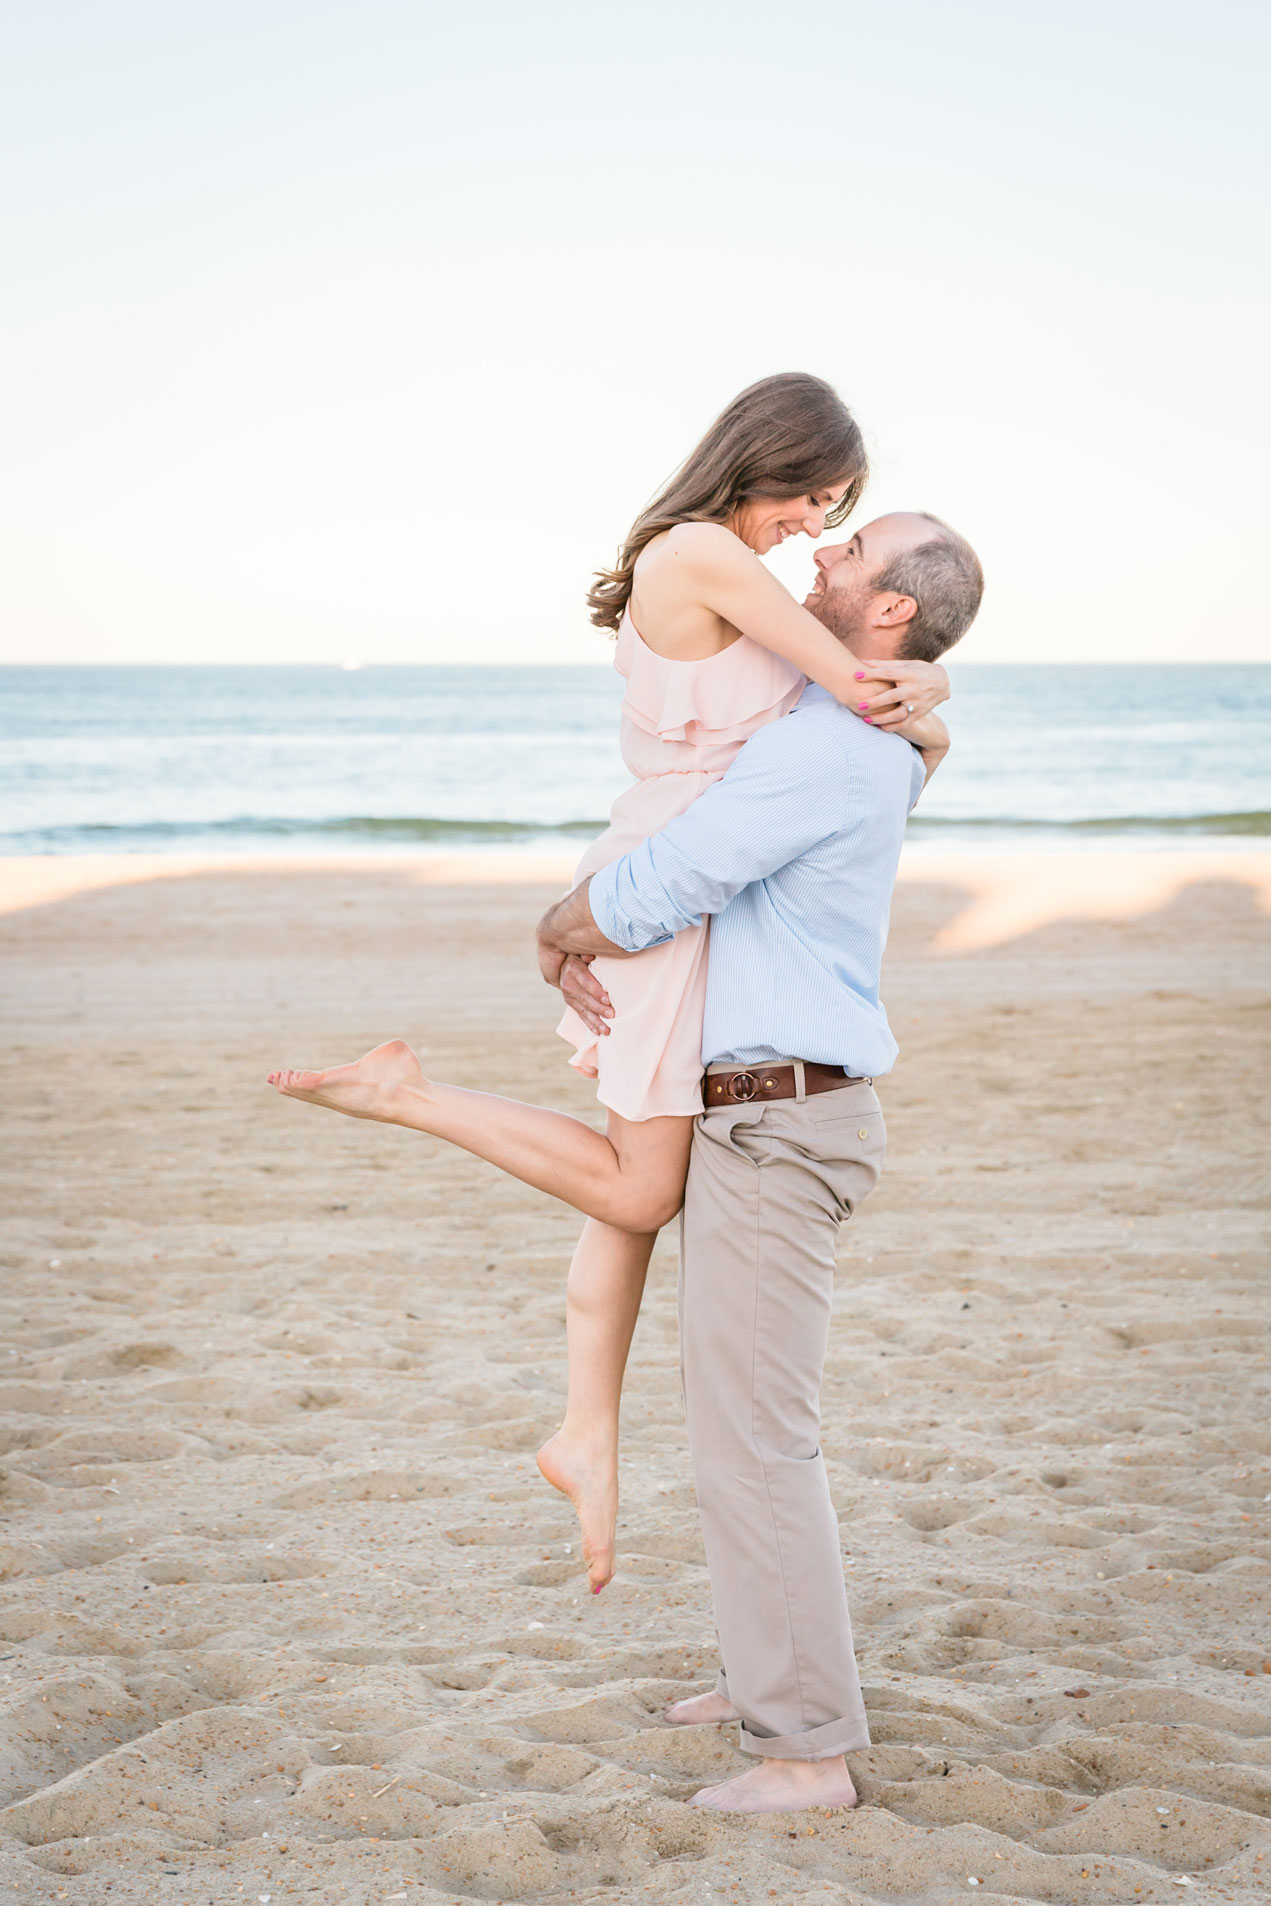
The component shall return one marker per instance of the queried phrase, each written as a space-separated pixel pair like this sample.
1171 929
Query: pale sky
364 330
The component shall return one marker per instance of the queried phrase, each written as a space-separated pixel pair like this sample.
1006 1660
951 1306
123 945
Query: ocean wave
1255 822
139 836
373 827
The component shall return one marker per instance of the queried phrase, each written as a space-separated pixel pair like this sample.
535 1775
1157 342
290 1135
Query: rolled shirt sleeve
787 790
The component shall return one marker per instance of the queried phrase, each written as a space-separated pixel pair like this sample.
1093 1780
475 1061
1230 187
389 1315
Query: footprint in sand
78 1448
205 1763
602 1718
1159 1825
69 1721
929 1517
18 1558
195 1565
549 1574
374 1485
975 1795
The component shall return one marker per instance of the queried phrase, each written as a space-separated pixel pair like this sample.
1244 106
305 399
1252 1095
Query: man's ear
892 612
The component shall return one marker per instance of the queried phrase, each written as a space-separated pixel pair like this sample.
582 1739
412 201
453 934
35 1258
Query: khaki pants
767 1188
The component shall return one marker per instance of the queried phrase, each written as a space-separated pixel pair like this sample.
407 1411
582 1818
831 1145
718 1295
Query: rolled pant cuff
818 1743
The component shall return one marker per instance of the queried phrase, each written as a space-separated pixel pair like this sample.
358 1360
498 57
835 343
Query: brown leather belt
750 1083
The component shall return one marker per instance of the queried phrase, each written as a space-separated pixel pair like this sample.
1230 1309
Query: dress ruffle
721 695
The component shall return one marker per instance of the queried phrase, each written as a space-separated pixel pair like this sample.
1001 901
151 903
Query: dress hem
642 1118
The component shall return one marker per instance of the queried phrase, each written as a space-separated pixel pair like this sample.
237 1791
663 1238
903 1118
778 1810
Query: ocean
301 760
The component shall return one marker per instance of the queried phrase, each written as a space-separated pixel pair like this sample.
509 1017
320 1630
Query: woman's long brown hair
785 436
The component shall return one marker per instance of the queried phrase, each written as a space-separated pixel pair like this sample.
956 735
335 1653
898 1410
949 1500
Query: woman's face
763 522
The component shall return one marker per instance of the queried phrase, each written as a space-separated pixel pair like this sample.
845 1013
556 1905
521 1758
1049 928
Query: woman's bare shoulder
698 547
675 575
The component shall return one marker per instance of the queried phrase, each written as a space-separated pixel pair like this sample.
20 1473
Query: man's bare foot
782 1786
589 1477
701 1710
372 1088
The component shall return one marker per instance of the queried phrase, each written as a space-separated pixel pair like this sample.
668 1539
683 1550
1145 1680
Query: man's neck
867 645
871 645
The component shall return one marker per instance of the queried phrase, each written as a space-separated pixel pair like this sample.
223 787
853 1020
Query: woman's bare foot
782 1786
701 1710
372 1088
589 1477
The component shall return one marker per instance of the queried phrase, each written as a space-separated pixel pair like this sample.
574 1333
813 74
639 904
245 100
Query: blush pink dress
682 725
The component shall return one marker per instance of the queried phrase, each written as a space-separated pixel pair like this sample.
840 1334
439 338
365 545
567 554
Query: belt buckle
736 1083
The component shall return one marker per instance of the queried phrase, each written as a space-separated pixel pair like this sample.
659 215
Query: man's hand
918 687
550 961
585 994
572 973
568 928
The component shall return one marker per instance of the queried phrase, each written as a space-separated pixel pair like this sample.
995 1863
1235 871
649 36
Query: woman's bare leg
602 1302
632 1178
628 1183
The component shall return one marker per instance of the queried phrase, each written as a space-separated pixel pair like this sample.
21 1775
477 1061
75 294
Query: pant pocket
852 1134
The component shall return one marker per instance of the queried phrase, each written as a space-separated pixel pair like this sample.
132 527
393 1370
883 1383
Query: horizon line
362 667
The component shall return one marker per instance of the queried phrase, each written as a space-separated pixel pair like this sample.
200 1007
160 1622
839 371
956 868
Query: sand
285 1611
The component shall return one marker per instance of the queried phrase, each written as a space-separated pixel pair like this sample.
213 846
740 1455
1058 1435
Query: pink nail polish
862 704
870 720
860 675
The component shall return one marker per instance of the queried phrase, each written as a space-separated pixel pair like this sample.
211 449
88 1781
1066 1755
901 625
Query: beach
286 1610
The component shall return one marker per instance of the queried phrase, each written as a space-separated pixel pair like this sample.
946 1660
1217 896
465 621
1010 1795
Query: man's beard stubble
838 610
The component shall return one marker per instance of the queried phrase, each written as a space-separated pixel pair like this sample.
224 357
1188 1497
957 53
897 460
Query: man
794 855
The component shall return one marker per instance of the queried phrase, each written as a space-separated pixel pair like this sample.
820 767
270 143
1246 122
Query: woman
712 648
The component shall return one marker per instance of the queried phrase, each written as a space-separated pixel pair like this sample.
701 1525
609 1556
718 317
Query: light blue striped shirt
794 854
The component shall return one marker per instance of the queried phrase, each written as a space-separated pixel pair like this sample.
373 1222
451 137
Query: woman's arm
931 738
729 579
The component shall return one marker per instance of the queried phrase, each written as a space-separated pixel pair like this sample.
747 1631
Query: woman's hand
913 690
585 994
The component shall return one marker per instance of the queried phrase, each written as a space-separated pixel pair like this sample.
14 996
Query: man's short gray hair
945 579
